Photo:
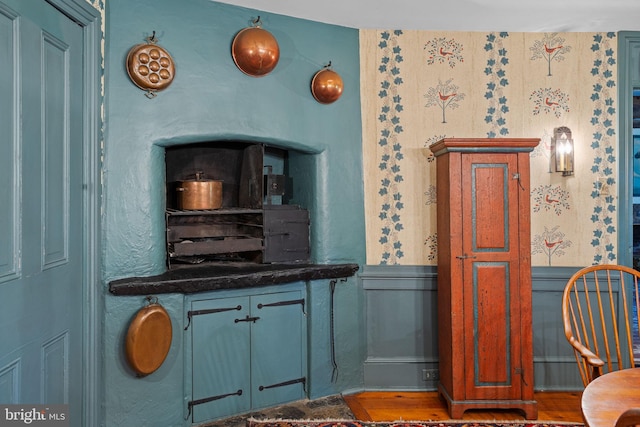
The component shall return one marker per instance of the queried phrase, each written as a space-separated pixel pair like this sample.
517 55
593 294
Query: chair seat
629 418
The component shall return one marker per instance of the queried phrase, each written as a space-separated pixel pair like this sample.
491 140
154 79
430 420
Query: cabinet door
490 261
220 354
277 349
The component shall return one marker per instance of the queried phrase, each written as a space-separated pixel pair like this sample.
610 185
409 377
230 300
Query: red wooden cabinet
484 274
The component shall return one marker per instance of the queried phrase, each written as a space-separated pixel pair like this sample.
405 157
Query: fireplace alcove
256 238
252 225
239 296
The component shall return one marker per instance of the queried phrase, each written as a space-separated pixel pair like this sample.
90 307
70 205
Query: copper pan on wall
150 67
326 85
148 338
255 50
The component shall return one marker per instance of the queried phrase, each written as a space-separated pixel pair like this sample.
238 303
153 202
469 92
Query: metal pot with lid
200 193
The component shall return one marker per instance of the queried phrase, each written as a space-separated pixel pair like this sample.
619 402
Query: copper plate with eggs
150 67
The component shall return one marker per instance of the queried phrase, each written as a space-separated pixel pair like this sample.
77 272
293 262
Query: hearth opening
227 201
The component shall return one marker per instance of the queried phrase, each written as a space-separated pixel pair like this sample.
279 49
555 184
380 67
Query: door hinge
302 380
281 303
193 403
192 313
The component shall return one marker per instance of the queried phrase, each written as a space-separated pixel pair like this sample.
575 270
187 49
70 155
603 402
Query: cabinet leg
530 411
456 411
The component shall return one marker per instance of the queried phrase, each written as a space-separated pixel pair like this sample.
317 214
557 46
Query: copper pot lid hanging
255 50
148 338
150 67
326 85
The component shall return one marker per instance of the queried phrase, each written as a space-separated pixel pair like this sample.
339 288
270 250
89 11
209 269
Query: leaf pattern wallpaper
421 86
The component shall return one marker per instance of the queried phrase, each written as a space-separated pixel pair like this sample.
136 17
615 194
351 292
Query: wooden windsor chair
629 418
597 310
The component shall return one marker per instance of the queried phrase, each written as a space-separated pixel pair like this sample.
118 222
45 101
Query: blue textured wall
210 99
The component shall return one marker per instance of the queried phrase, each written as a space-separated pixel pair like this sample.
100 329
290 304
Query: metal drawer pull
247 319
302 380
193 403
190 314
465 256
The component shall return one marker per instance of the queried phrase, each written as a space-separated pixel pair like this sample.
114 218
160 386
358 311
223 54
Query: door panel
489 208
491 344
9 153
490 275
220 342
55 149
42 286
276 358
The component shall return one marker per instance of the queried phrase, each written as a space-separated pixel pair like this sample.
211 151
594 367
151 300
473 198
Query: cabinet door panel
220 358
492 337
277 349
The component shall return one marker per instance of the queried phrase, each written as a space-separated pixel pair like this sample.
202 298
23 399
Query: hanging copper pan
148 338
255 50
150 67
326 85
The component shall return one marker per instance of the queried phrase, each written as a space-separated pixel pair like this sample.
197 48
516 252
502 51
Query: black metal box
286 234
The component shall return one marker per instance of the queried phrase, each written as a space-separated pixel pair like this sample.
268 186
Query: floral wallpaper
420 86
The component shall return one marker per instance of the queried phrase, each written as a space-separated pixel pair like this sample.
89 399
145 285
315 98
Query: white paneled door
41 206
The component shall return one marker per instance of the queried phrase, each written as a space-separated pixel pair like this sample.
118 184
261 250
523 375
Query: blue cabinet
248 352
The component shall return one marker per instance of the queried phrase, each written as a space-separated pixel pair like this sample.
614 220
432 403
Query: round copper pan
148 339
150 67
326 86
255 51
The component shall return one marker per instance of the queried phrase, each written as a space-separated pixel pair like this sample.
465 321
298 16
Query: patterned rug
326 408
251 422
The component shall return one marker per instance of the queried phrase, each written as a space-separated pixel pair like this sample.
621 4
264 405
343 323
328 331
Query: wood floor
428 406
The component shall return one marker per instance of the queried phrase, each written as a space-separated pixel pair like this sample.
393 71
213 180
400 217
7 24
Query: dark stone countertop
222 276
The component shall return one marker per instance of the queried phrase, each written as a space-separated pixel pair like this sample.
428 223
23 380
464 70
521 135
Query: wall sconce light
562 150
